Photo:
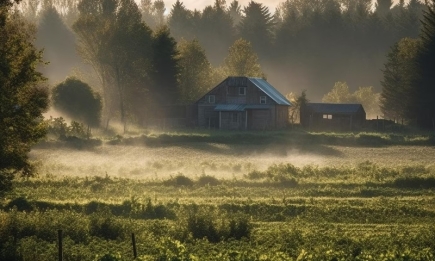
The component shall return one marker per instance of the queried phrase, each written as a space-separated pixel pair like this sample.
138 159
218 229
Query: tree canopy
242 60
22 97
77 100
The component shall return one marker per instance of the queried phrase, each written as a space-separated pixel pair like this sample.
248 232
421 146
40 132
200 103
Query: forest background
141 55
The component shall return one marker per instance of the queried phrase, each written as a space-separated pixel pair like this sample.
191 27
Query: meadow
227 196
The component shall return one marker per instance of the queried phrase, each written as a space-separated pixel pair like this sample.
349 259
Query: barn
332 116
243 103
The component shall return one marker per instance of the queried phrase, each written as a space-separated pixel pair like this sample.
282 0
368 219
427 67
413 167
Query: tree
196 74
77 100
180 22
58 43
339 94
383 7
398 79
297 103
242 61
22 98
215 31
165 68
423 97
257 26
364 95
235 12
117 44
153 13
369 100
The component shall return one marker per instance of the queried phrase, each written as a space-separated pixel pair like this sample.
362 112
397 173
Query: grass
217 196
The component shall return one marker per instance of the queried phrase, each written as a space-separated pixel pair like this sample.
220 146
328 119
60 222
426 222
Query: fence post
59 237
133 240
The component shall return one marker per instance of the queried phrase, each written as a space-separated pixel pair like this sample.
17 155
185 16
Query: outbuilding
332 116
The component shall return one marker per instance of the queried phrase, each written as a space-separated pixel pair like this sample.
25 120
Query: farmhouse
243 103
332 116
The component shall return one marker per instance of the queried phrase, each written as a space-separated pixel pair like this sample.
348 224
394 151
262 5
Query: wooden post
133 240
377 123
246 120
220 120
59 238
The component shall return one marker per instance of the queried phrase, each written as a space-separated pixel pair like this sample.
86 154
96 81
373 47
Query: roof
335 108
270 91
240 107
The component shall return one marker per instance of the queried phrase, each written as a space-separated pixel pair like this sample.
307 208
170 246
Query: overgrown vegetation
360 212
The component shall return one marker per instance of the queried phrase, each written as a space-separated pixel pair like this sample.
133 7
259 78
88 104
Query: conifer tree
423 98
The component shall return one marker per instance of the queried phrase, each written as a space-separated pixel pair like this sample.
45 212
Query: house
243 103
332 116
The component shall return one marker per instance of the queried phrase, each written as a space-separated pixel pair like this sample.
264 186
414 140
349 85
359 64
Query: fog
150 163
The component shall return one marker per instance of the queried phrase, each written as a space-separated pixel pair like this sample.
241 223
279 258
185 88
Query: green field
227 196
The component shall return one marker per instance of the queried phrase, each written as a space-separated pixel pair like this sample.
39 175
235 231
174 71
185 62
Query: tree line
304 45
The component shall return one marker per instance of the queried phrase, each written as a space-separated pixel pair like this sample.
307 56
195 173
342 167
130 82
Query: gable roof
332 108
270 91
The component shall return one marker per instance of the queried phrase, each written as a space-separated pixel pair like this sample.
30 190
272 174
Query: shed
332 116
243 103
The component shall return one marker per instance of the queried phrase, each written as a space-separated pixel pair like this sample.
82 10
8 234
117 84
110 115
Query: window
327 116
242 90
211 99
262 99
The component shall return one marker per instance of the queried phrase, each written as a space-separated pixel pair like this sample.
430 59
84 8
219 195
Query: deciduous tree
242 61
22 99
77 100
195 76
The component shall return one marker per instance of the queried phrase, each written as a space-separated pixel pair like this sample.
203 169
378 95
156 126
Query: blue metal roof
334 108
270 91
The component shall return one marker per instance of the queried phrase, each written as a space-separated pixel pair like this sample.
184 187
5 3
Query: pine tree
423 98
58 43
397 84
257 26
165 68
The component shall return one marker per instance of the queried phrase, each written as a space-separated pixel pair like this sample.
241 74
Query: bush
178 181
106 226
208 180
415 183
20 203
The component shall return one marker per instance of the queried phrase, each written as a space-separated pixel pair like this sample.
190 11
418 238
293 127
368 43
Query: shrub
178 181
208 180
20 203
105 226
415 183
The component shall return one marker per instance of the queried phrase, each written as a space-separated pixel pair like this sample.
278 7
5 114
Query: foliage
242 61
165 90
22 98
120 42
297 104
58 42
195 71
365 95
77 100
398 79
256 26
423 98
